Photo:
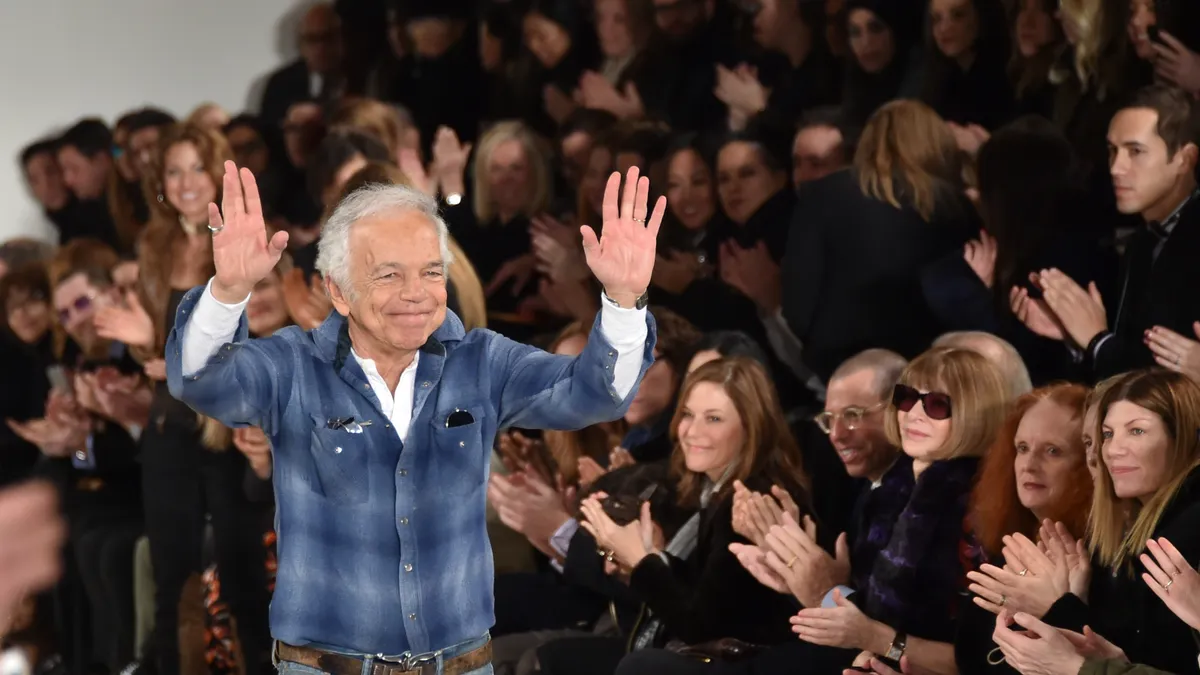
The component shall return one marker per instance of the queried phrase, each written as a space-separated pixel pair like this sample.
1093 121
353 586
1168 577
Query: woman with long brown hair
183 478
861 238
728 427
1147 488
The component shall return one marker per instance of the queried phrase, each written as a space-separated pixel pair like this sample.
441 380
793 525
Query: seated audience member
728 428
965 62
904 195
44 177
1145 491
1035 472
883 63
26 350
1002 355
84 153
823 145
1153 146
16 253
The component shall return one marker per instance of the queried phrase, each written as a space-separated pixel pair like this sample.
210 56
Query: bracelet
1090 352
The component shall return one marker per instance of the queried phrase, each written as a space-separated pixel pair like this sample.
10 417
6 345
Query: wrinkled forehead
401 236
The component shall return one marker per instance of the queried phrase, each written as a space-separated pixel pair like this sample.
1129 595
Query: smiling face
1134 446
710 430
864 450
1048 455
28 314
76 301
398 282
1141 17
690 190
187 185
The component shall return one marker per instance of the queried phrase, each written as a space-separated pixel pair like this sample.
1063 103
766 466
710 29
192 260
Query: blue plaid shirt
383 549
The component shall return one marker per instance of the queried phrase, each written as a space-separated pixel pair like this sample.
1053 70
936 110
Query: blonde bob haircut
979 398
1118 528
907 157
537 155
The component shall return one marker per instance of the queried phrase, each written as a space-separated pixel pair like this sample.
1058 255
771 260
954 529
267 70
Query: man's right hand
242 254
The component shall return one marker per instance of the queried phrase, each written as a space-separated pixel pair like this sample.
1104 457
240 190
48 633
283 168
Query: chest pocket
340 459
459 461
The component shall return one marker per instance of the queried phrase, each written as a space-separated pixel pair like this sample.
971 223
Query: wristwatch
641 303
896 650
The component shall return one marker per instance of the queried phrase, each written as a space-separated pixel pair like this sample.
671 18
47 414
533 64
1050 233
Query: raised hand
622 258
1175 352
1173 580
1080 311
307 302
754 560
450 157
1030 582
1039 650
156 369
242 254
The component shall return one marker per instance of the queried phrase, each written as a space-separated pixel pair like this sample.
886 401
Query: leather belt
341 664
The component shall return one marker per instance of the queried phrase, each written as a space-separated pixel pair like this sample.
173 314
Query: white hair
333 250
997 350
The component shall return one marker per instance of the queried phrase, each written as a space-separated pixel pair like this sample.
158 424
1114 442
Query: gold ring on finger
792 561
1003 600
1167 586
639 220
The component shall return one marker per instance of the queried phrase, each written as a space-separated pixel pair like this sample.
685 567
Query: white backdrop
64 59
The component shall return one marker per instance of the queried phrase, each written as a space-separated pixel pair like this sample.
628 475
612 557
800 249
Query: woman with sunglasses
945 411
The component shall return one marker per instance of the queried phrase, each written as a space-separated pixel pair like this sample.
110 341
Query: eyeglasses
851 416
936 404
81 304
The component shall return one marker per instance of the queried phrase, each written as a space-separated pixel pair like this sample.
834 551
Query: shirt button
403 472
337 451
462 444
426 383
407 567
404 521
412 617
366 386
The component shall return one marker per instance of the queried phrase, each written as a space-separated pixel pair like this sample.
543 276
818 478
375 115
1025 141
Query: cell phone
1155 34
58 379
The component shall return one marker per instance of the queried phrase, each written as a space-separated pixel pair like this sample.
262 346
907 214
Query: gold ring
1167 586
1003 600
792 561
639 220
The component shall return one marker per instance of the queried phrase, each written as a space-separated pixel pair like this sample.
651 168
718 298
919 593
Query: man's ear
340 302
1190 155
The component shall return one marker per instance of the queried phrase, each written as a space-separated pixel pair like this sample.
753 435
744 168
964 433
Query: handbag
724 649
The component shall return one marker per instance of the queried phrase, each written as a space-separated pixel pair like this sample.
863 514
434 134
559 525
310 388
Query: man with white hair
382 419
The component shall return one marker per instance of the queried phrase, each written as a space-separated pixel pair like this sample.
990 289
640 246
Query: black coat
852 271
1158 293
1123 609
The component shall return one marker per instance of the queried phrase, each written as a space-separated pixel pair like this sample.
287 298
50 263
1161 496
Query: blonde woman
513 182
852 272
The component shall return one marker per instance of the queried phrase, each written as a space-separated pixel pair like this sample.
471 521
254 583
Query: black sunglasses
936 404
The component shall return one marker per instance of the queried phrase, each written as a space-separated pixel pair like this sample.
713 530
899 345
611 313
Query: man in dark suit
316 75
1153 152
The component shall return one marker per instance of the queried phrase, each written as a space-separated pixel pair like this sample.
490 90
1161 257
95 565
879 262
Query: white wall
64 59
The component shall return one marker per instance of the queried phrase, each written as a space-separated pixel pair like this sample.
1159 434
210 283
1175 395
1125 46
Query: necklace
190 229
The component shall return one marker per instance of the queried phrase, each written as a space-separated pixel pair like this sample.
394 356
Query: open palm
242 254
623 257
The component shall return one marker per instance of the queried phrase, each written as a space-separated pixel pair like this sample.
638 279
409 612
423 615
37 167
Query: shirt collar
1163 228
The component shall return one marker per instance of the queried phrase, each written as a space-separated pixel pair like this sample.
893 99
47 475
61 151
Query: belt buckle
417 662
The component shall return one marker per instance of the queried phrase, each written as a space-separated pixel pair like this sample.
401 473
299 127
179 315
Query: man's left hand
622 258
1080 311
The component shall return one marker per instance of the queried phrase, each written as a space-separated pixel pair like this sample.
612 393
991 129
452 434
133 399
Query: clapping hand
739 89
753 272
1040 650
1062 548
1035 585
1173 580
450 158
1177 64
1035 314
843 626
626 545
307 301
128 323
622 258
242 254
589 471
795 555
156 369
1080 312
1175 352
528 505
254 444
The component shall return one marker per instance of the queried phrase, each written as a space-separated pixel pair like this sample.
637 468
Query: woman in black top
965 79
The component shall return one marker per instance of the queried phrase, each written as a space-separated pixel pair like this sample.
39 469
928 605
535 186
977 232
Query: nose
840 431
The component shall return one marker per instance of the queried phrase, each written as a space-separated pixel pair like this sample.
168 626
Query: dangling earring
160 198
